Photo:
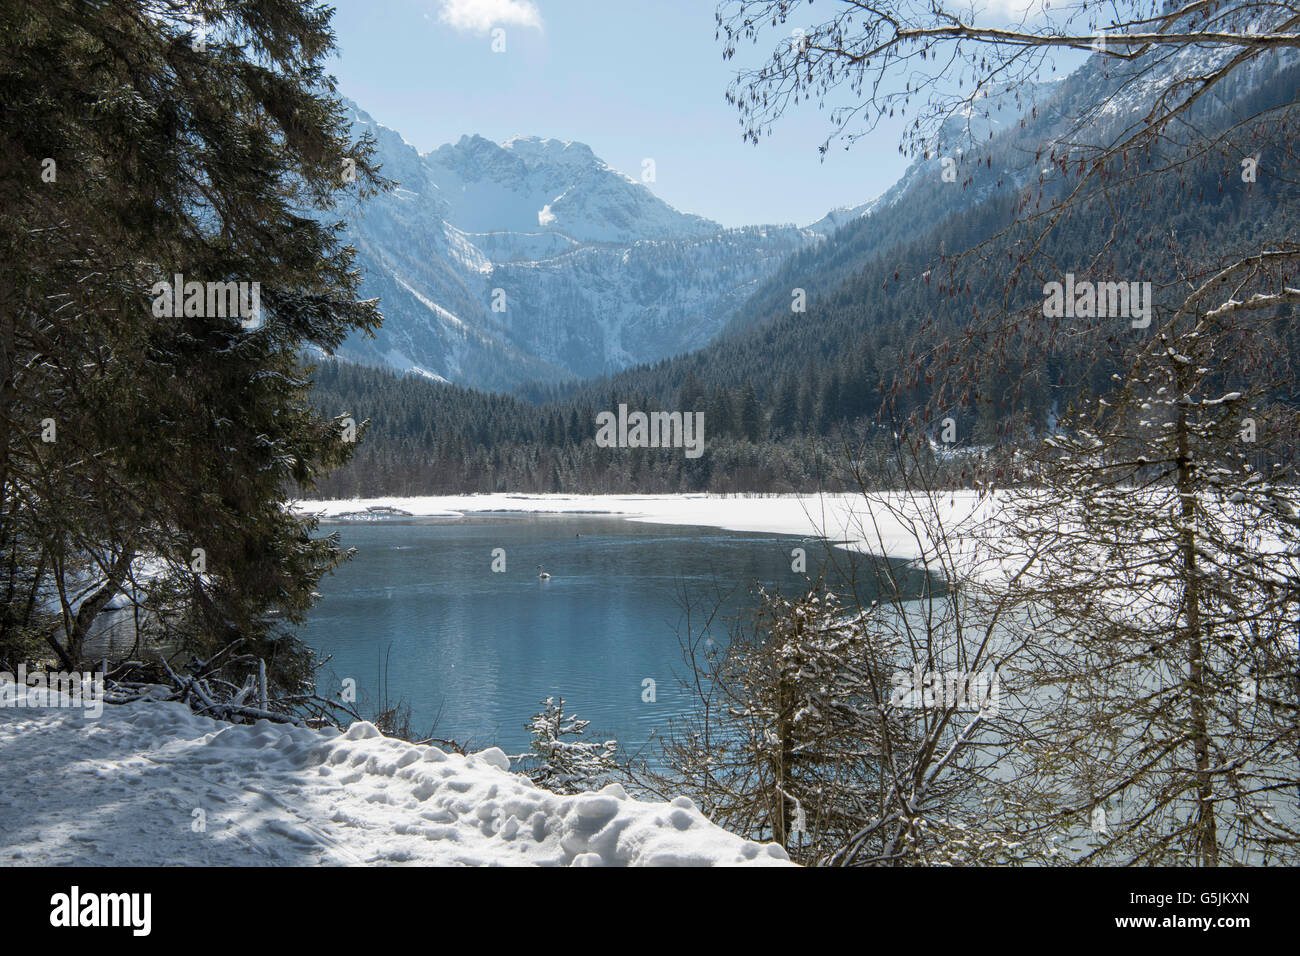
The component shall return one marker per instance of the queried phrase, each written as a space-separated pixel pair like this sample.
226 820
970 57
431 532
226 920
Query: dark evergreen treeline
422 437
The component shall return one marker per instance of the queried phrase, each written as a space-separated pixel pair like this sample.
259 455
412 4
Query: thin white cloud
480 16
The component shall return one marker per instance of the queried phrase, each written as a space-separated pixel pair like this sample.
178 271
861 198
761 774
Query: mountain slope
533 260
781 382
867 284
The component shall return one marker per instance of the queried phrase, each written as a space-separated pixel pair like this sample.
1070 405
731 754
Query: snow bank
150 783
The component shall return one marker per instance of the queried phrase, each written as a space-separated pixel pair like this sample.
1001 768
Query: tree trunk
92 605
785 757
1207 840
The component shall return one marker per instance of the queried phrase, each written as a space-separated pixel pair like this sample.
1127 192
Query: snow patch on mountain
529 183
534 260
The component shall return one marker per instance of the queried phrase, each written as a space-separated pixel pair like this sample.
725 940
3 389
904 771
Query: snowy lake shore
151 783
894 524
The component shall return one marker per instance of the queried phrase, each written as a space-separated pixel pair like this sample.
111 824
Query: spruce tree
141 141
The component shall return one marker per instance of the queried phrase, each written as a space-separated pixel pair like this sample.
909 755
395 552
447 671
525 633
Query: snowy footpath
150 783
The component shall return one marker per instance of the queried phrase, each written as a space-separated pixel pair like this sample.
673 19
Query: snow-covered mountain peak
537 150
535 260
531 183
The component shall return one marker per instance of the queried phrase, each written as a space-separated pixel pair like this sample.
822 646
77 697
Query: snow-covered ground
151 783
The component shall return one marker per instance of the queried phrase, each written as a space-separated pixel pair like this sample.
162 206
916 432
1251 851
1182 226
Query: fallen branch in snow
211 696
444 742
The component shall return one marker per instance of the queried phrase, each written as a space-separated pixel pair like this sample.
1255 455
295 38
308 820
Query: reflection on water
484 648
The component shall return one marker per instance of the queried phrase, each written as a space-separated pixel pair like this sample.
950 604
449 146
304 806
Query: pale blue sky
633 79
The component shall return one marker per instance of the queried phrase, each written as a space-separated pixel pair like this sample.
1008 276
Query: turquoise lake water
477 650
